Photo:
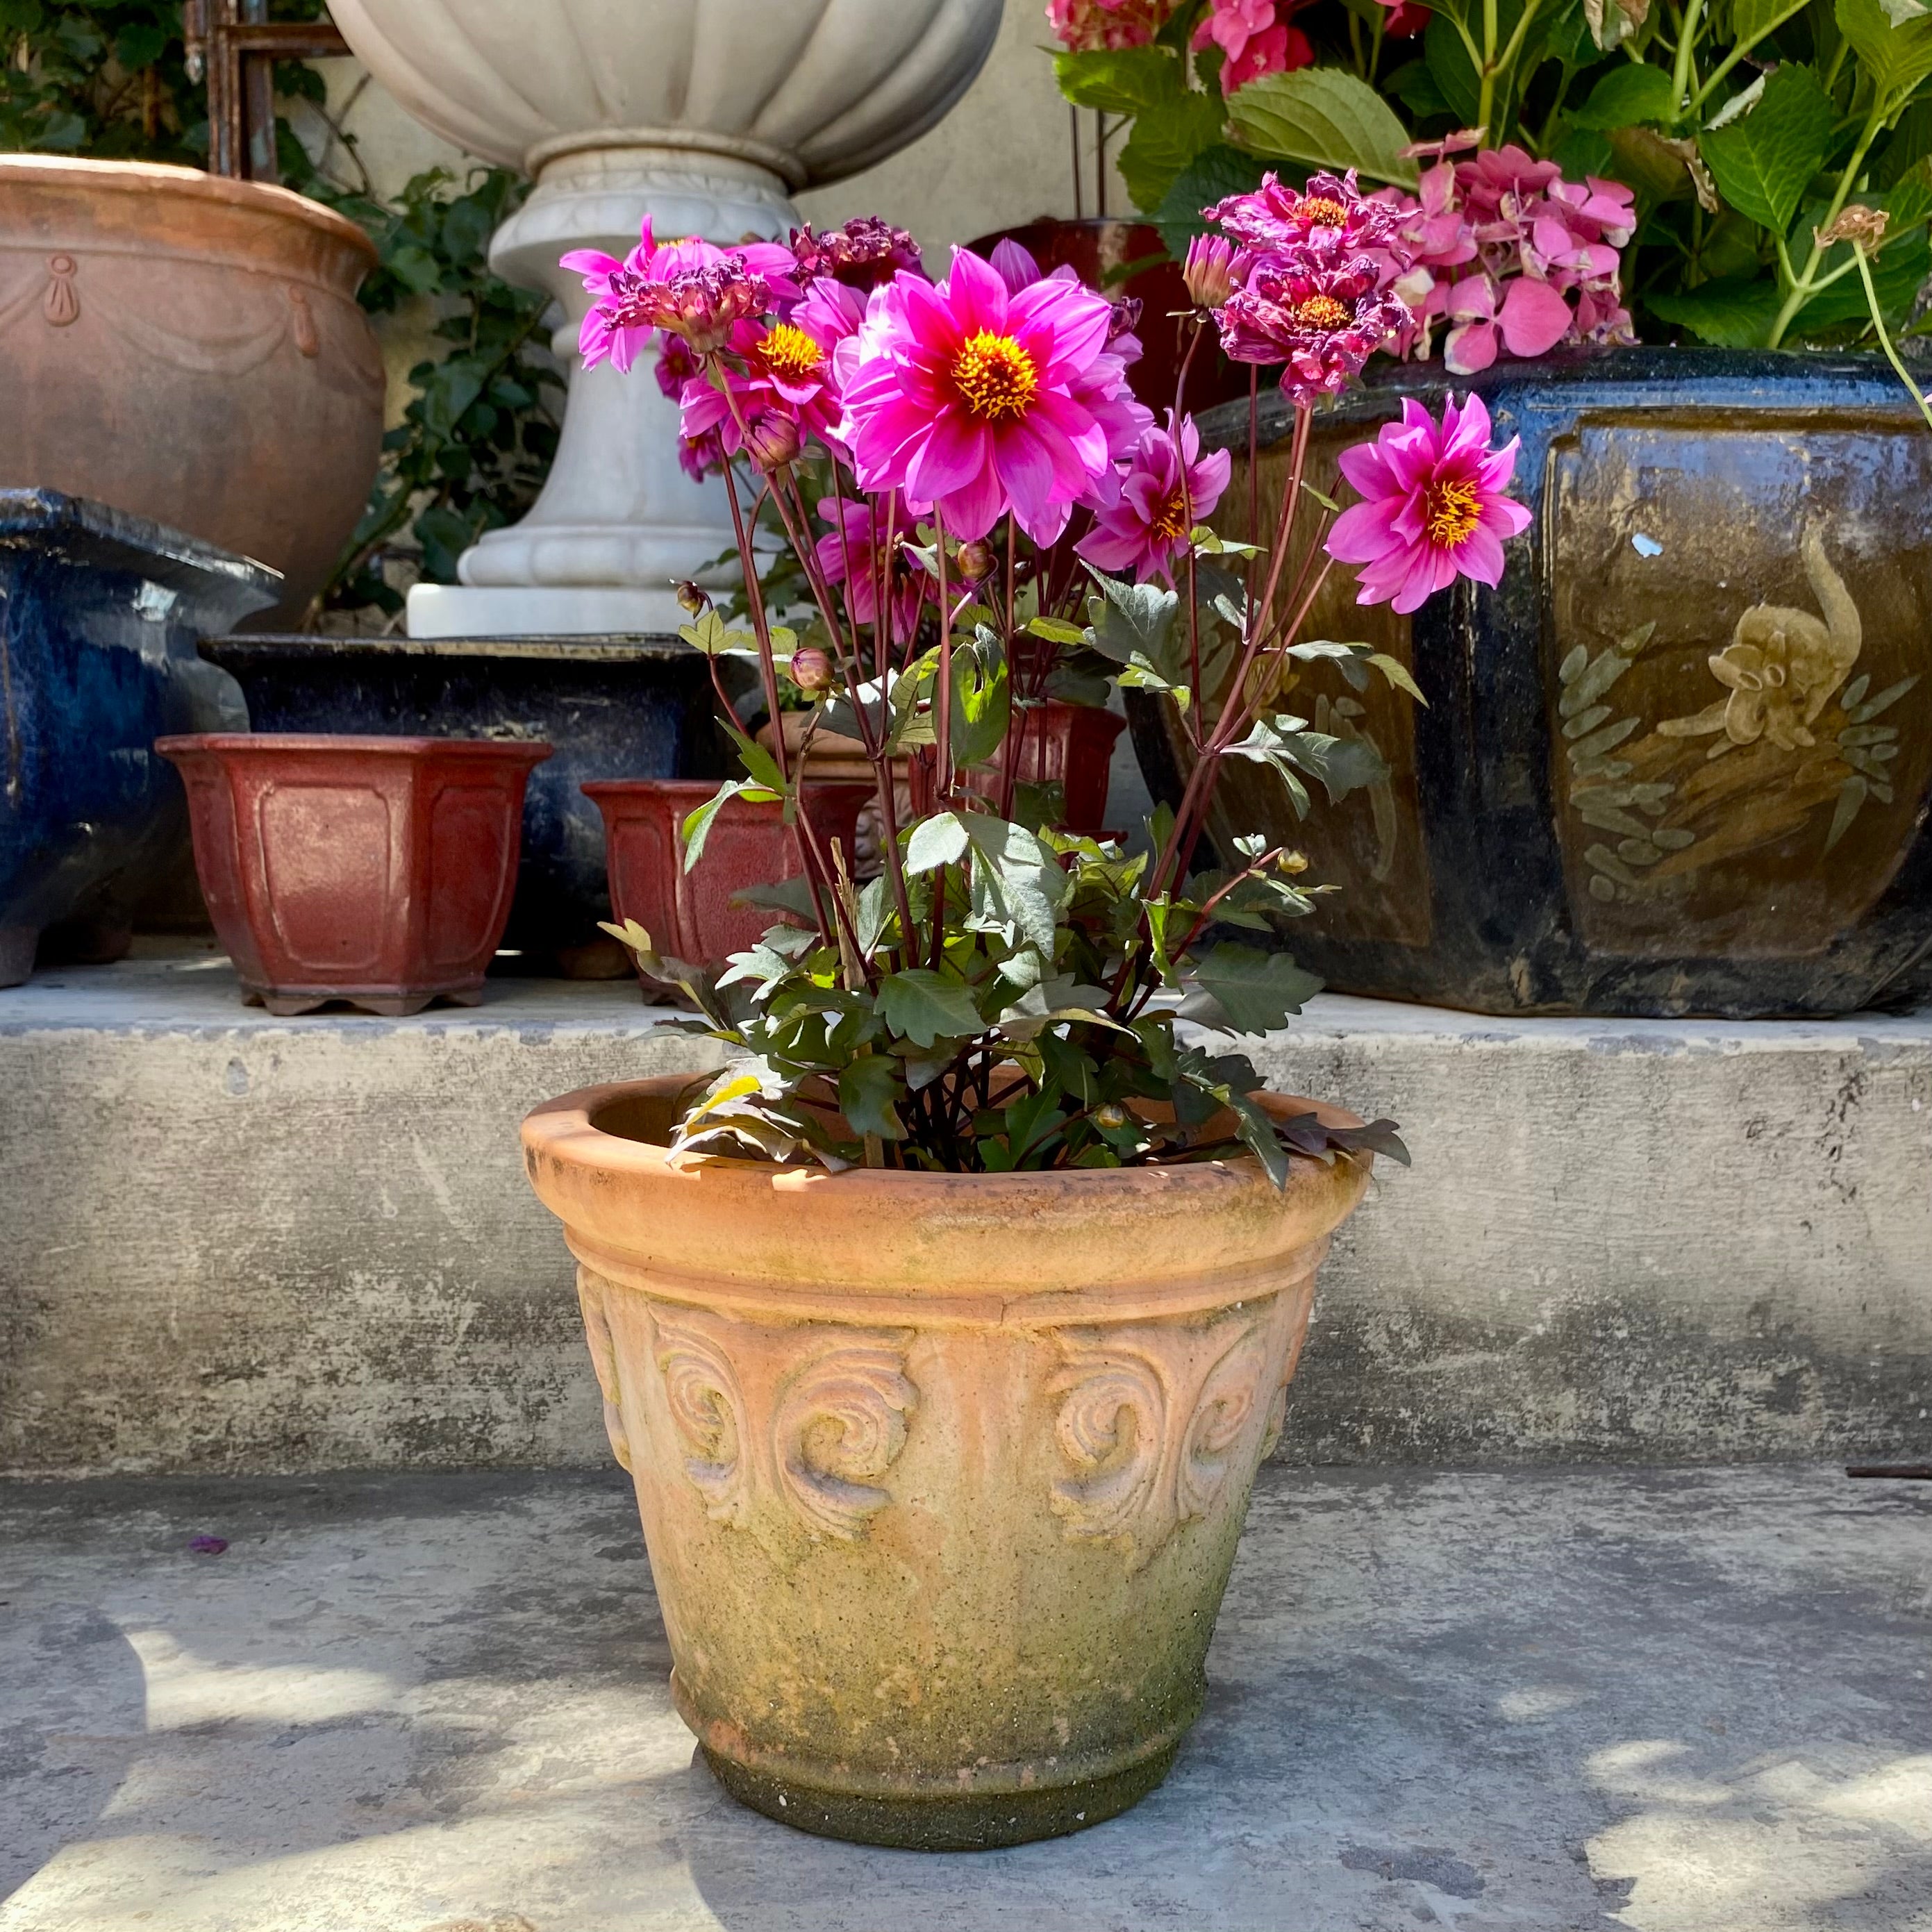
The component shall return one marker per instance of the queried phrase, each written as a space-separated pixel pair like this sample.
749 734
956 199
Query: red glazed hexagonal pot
1072 745
377 870
690 915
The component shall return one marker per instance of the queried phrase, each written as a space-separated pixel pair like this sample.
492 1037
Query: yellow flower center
1170 521
1320 212
1319 312
995 377
787 351
1451 512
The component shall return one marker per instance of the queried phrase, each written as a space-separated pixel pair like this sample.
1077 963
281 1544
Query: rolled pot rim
284 744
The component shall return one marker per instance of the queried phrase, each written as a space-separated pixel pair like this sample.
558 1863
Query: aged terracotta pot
690 915
941 1475
376 871
190 349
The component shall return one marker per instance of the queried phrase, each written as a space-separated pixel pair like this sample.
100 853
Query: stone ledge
247 1244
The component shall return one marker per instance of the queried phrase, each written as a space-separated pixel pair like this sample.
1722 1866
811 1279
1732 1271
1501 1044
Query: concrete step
239 1244
1678 1701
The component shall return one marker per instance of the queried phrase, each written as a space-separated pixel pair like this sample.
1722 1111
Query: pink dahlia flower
1433 506
690 288
1331 214
865 252
849 554
1321 315
975 399
784 369
1143 517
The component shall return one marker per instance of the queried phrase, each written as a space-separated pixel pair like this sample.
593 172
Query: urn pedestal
705 114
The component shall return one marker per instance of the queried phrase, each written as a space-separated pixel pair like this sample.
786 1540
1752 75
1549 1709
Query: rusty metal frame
236 46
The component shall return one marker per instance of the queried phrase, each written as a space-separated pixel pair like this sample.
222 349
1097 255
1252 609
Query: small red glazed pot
689 915
1072 745
375 871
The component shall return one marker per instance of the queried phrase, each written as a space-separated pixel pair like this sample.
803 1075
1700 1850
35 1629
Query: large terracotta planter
690 915
375 871
1680 761
190 349
941 1475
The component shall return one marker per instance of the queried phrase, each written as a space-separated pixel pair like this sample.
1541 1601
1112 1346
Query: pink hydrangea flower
849 554
1091 26
690 288
1433 506
1142 518
1511 258
1256 38
975 399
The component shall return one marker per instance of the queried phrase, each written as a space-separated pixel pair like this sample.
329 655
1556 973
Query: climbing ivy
108 79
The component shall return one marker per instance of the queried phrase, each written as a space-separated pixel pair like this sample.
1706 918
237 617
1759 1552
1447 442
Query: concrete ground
1669 1701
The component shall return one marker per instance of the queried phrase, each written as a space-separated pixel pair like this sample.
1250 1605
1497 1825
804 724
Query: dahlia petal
1015 265
955 450
1480 556
973 509
1361 535
976 297
1365 466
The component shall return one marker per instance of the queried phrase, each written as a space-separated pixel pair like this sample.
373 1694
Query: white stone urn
706 115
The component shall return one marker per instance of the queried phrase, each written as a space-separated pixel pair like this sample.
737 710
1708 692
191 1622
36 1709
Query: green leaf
697 827
1628 96
982 701
1166 138
1763 160
1734 314
1058 631
1214 175
1418 89
1326 118
1017 879
1242 989
1397 673
867 1090
1896 58
1256 1132
1127 80
922 1006
1450 68
1752 19
936 842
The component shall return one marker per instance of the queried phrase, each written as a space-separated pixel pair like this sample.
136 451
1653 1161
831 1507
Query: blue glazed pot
100 613
1680 761
611 707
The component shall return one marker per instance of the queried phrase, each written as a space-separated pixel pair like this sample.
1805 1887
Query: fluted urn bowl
812 89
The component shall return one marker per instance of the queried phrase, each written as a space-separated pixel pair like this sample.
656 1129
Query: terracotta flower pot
190 349
690 915
376 871
941 1475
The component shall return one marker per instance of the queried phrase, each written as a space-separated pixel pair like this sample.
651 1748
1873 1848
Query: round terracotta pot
690 915
941 1475
375 871
190 349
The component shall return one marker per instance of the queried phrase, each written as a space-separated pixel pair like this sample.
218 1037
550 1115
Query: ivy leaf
1629 96
1762 161
1126 80
868 1087
1241 989
1167 137
923 1006
1326 118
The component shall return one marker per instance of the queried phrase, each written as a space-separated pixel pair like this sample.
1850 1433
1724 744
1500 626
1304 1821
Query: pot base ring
973 1821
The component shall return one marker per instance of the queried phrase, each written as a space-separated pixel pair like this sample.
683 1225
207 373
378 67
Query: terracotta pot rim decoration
1015 1437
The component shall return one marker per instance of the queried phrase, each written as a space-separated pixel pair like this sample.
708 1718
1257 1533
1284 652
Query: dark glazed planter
1096 249
690 915
375 871
609 708
101 612
1678 762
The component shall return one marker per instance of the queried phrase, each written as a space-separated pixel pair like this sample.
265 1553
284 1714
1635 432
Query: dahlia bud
1293 863
975 561
1210 272
811 669
1112 1117
772 439
692 599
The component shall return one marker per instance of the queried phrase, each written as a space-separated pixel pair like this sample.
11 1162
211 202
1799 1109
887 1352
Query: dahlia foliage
982 525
